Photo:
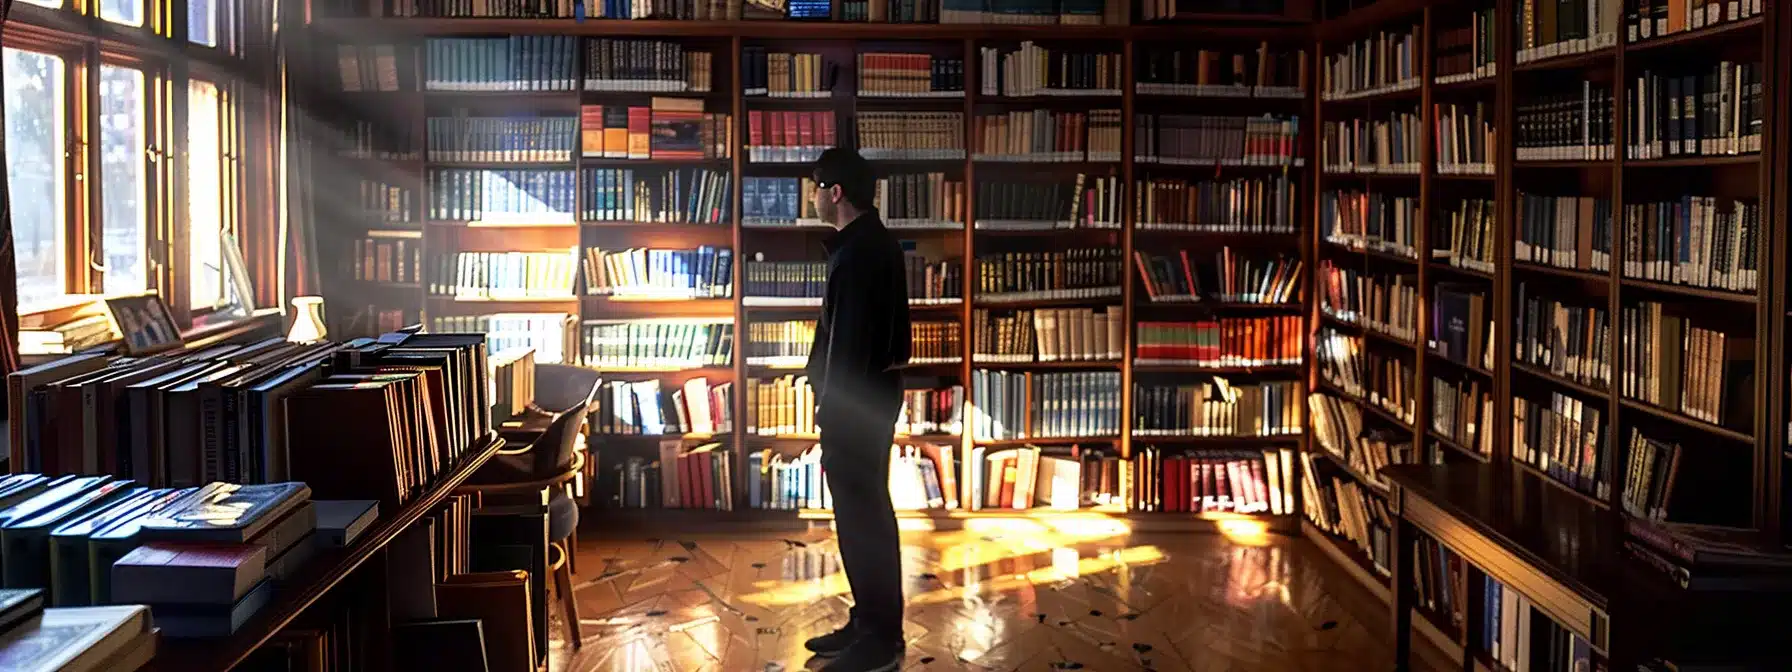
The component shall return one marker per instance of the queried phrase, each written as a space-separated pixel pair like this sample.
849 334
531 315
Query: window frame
160 49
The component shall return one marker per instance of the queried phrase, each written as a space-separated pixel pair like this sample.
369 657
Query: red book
827 129
706 474
1174 498
756 128
788 135
805 124
179 573
1009 473
686 498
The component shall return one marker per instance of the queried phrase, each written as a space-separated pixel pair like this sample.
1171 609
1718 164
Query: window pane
202 22
205 194
128 12
36 172
124 219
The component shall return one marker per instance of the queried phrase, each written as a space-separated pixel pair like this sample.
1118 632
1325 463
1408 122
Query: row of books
1234 481
1221 342
1074 273
550 335
384 202
1550 29
778 342
1047 136
387 260
1469 237
1381 146
1461 411
1203 140
1049 335
1465 141
696 477
1696 240
1387 303
1565 339
936 342
375 67
508 196
928 279
1651 467
1338 428
613 64
1466 52
683 196
908 135
378 139
510 63
515 139
1246 205
1708 111
1370 220
1230 278
1383 381
1014 405
505 276
777 74
1564 438
1571 126
1564 231
781 406
1701 372
1385 61
668 343
1462 324
1260 72
1034 70
1521 636
1344 508
666 128
1646 19
791 136
1083 202
919 200
1440 584
897 75
931 411
781 482
703 272
1217 407
652 408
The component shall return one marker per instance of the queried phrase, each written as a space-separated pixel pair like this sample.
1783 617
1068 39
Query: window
205 193
44 3
202 22
124 180
127 12
36 173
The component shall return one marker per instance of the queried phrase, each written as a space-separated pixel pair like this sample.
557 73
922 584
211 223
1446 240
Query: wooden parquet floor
1021 597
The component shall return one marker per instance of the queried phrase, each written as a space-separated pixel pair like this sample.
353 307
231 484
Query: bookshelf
1001 136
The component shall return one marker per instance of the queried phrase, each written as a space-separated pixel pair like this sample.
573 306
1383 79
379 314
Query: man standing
860 342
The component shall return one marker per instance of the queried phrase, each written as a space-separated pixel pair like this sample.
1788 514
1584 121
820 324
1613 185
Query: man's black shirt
863 334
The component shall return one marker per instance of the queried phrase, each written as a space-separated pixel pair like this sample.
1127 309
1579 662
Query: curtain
9 272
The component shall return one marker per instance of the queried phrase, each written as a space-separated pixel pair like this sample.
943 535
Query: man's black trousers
855 455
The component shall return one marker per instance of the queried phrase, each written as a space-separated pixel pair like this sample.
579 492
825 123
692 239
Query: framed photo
145 323
239 295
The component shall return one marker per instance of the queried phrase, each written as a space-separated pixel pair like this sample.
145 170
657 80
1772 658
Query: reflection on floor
1009 595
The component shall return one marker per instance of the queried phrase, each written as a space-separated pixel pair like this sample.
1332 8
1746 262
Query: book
1460 410
25 539
1029 69
1387 303
1263 72
1564 231
1026 276
82 551
910 75
1048 335
18 604
226 512
1369 220
1378 380
1651 468
1698 241
1571 125
1563 437
702 272
1338 428
1219 342
1241 205
1047 136
183 621
467 138
341 521
881 135
1466 52
1571 339
1373 146
1206 140
1216 407
511 63
1462 325
1015 405
79 639
1383 62
1353 512
1086 201
686 196
665 343
1463 139
502 196
168 573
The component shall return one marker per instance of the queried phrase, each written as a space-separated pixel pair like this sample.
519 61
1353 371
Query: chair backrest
553 452
559 387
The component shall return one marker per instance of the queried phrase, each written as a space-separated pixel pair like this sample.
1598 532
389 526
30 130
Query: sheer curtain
9 292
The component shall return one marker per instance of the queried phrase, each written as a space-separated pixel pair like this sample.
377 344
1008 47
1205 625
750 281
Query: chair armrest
572 471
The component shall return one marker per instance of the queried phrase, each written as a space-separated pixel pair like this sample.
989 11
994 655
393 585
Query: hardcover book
226 512
16 605
200 574
26 541
341 521
73 561
73 640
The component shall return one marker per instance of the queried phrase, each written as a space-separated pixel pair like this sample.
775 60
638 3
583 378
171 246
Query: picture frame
238 299
145 324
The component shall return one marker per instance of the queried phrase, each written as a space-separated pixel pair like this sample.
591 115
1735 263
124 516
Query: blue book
186 622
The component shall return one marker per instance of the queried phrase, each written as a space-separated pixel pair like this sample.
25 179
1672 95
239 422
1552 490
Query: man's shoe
869 654
833 643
